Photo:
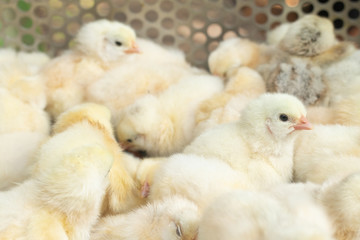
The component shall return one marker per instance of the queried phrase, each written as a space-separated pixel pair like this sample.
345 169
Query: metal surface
195 26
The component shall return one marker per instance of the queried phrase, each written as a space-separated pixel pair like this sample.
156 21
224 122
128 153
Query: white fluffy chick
289 212
333 152
140 74
341 200
98 45
198 179
91 122
16 115
164 124
172 218
18 74
261 143
62 199
244 85
308 36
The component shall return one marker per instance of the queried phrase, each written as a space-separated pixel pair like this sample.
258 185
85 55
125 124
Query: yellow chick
325 152
98 45
341 200
63 197
308 36
260 144
274 36
164 124
85 119
172 218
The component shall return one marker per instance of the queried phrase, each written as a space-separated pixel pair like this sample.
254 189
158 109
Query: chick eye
283 117
178 231
118 43
129 140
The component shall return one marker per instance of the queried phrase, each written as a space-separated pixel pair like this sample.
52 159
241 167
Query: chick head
139 126
173 218
276 114
309 36
106 40
93 112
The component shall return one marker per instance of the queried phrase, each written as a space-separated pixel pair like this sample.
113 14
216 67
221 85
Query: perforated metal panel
195 26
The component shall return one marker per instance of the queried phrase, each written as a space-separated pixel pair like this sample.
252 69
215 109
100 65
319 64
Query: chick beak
133 49
303 124
124 146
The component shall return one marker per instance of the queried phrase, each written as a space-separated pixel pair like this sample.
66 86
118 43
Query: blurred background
194 26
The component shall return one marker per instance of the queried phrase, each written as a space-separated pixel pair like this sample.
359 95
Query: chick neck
261 140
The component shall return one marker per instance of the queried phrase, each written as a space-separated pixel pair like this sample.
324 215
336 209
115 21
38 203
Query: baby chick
172 218
288 212
150 72
92 121
341 201
62 199
308 36
98 45
334 151
162 125
261 143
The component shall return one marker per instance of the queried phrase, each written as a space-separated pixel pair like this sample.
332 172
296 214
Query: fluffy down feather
18 151
289 212
341 200
196 178
84 119
236 52
260 144
19 74
163 125
297 77
23 127
308 36
170 219
16 115
325 152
